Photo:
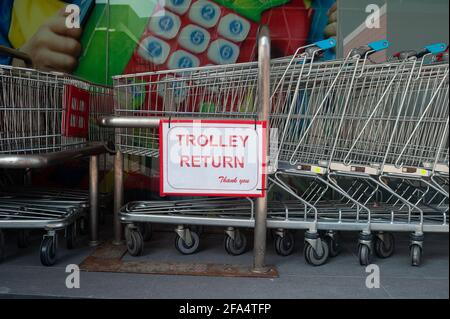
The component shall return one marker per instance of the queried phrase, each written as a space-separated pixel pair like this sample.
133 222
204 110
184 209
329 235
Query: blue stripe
319 22
5 23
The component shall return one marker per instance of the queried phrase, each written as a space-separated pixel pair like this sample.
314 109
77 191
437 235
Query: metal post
93 198
118 197
259 251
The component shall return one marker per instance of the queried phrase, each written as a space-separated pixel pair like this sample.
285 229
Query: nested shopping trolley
48 118
380 143
210 92
368 141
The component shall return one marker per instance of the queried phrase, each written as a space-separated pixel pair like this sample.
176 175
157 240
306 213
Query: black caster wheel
313 258
236 246
135 242
2 246
273 234
186 249
71 236
199 229
333 246
23 238
48 251
385 248
146 230
365 255
416 255
284 245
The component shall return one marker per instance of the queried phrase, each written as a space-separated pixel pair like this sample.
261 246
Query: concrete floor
21 274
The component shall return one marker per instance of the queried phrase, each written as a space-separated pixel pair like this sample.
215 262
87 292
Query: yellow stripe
28 16
318 170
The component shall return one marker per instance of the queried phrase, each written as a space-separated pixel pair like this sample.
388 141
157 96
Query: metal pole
118 197
259 251
93 198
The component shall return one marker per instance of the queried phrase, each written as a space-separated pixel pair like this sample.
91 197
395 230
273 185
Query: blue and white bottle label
194 38
234 28
154 50
166 25
178 6
223 52
182 59
205 13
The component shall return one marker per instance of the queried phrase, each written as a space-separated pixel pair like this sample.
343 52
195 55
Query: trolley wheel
273 234
365 255
186 249
146 230
135 242
71 236
333 246
385 248
199 229
23 238
236 246
2 245
313 258
284 245
48 251
416 255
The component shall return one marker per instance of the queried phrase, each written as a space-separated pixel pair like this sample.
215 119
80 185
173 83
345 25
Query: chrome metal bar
93 199
19 161
129 122
118 197
259 251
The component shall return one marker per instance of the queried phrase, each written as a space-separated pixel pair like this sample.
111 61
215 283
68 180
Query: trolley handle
17 55
405 55
371 48
321 46
433 49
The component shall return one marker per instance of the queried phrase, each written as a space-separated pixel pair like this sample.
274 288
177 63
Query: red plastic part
75 113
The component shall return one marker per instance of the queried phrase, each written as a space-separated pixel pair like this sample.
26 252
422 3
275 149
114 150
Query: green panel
126 29
127 23
251 9
92 63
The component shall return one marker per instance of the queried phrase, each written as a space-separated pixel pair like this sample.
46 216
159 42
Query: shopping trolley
48 118
340 126
373 142
49 194
218 91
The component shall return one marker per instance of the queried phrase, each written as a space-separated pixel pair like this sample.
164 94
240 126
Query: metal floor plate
109 258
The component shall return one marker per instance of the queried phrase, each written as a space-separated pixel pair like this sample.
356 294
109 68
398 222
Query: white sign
212 158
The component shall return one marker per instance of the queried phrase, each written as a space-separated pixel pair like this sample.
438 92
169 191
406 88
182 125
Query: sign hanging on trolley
212 158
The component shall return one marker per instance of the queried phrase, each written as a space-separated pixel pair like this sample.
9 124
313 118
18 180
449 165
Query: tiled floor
22 275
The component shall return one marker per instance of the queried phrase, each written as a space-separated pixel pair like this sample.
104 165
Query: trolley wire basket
48 118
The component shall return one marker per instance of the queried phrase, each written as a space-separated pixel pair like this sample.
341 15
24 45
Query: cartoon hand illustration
54 47
331 28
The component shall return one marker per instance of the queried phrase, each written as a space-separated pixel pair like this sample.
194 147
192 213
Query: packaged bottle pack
151 35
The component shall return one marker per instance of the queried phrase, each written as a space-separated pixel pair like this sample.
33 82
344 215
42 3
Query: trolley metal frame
33 124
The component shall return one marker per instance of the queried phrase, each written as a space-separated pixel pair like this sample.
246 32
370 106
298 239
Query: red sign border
247 122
